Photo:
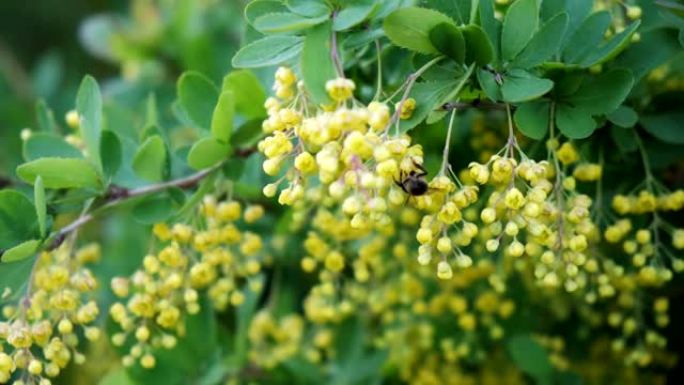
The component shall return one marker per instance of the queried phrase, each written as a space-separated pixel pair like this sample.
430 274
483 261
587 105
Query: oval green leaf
89 107
248 93
21 251
284 22
17 219
206 152
111 153
520 23
149 161
61 173
222 118
268 51
520 86
317 68
544 44
478 47
43 145
448 39
532 119
410 28
198 96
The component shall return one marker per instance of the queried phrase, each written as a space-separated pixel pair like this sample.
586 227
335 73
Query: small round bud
270 190
148 361
444 270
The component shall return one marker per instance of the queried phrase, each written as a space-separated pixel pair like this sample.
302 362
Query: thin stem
558 185
334 53
599 184
650 186
56 238
445 153
378 89
512 142
410 81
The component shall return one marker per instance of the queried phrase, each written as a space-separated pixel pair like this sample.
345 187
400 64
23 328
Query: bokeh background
133 48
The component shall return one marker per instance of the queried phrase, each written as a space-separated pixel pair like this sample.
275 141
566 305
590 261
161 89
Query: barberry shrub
449 192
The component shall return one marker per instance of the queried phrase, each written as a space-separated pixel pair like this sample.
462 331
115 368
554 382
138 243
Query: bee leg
399 183
420 167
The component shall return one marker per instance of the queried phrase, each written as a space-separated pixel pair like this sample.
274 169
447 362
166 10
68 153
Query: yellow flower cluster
344 147
41 334
273 341
647 202
218 259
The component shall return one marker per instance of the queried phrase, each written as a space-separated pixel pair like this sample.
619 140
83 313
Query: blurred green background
133 48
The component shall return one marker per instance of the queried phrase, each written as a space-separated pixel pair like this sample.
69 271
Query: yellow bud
424 235
148 361
270 190
72 119
444 245
444 270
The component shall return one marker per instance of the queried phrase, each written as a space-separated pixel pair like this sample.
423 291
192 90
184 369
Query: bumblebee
414 182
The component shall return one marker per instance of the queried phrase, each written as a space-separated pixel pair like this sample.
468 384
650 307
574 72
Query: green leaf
17 219
222 118
206 152
111 152
61 173
489 85
14 276
577 11
490 25
611 48
247 135
532 119
258 8
150 159
317 65
666 127
520 86
153 209
448 39
197 96
574 122
308 7
478 47
353 13
459 10
89 107
603 93
544 44
284 22
530 357
45 117
623 116
248 93
268 51
21 251
410 27
41 207
519 25
587 37
41 145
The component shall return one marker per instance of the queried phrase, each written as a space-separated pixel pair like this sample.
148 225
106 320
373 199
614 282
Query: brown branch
117 194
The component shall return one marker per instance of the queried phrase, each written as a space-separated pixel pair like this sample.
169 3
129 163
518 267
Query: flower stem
447 143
